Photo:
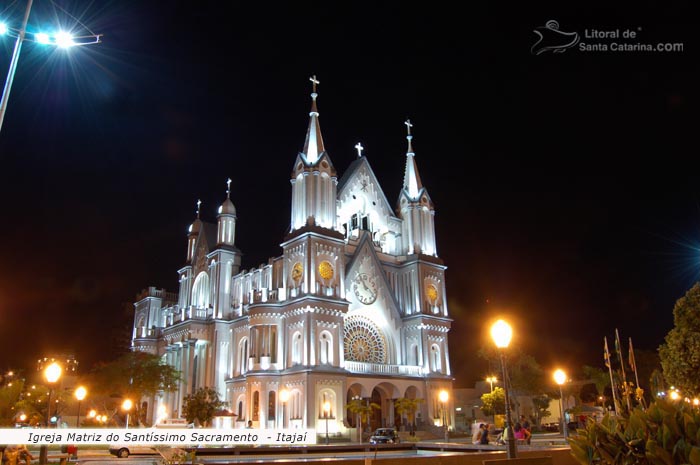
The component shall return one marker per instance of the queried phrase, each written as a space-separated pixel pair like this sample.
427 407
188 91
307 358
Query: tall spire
199 204
313 146
411 180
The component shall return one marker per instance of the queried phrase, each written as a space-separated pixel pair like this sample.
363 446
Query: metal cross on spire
314 83
228 188
408 126
359 148
199 203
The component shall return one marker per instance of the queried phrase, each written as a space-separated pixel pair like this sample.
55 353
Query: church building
353 308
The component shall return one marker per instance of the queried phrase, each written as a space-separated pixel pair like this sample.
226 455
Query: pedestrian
521 433
526 424
476 437
484 439
250 424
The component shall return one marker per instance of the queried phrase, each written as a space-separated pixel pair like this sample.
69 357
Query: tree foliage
409 406
202 405
541 407
133 376
494 403
680 353
526 375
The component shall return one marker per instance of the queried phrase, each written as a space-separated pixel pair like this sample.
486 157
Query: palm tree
409 407
363 410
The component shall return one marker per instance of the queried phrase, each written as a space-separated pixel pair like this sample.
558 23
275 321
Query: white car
124 450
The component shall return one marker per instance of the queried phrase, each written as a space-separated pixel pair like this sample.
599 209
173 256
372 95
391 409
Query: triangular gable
358 169
366 260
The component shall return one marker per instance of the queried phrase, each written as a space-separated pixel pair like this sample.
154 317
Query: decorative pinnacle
228 188
199 203
314 82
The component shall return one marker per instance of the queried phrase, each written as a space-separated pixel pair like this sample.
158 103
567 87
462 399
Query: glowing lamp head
52 372
443 396
92 413
501 333
23 417
42 38
80 393
326 407
674 395
559 377
3 28
127 404
284 395
64 39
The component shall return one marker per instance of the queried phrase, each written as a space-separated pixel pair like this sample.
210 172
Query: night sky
566 186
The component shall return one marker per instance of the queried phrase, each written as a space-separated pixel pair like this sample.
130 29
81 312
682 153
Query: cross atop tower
359 148
228 188
199 203
408 126
314 83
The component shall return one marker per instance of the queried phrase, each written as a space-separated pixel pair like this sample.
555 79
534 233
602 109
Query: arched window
256 405
326 396
296 348
271 406
200 291
435 358
413 355
243 355
326 348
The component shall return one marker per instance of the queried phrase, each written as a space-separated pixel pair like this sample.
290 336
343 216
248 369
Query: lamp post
502 333
491 380
444 396
560 379
62 39
80 394
52 373
326 412
284 397
126 406
358 401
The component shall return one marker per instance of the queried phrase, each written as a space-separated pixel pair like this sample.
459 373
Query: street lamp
284 397
80 394
358 401
126 406
491 380
326 412
61 39
444 396
52 373
560 379
502 333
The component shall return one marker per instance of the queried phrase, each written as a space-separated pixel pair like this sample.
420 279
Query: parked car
384 436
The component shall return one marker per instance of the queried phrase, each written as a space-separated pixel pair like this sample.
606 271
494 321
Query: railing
364 367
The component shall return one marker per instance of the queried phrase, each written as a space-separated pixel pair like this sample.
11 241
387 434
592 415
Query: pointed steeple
313 146
412 184
226 228
193 232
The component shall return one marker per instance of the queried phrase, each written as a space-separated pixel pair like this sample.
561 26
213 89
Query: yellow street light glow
23 417
127 404
80 393
92 413
560 377
443 396
675 395
501 333
326 407
52 372
284 395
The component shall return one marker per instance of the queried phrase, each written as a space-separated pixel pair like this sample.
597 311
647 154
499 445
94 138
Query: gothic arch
200 290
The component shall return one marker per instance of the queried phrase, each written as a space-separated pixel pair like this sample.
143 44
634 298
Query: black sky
566 189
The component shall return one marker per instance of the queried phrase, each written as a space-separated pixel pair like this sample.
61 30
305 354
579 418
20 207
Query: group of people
521 431
16 453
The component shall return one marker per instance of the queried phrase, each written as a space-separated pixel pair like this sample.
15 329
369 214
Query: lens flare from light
64 39
42 37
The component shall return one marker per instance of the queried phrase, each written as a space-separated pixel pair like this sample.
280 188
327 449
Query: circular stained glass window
363 341
325 269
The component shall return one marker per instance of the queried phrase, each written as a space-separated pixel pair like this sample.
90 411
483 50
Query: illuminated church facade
355 306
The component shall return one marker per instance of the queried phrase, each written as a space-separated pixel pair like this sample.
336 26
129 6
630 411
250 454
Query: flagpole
625 388
606 357
633 365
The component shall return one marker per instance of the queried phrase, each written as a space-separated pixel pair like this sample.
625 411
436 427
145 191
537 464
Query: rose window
363 341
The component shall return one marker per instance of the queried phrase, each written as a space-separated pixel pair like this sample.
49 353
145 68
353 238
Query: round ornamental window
325 270
363 341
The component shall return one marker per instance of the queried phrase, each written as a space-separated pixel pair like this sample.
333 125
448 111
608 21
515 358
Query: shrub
666 433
